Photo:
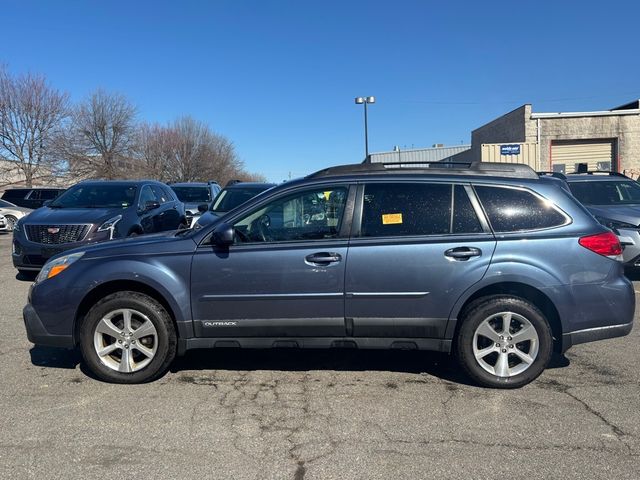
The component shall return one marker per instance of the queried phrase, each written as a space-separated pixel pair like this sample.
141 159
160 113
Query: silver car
3 224
614 200
12 213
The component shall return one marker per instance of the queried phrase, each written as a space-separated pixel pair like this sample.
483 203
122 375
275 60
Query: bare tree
101 137
31 113
155 151
187 150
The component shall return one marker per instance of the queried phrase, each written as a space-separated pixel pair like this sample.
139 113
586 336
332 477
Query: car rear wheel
128 337
503 342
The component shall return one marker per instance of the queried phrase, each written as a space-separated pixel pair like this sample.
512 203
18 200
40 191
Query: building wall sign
509 149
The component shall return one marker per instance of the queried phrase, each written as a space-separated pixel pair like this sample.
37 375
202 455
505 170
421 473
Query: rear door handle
323 258
463 253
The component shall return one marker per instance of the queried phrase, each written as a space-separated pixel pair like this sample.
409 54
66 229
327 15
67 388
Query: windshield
230 198
193 194
606 193
96 196
5 204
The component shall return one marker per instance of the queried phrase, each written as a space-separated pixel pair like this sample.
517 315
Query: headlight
614 225
58 265
110 225
17 227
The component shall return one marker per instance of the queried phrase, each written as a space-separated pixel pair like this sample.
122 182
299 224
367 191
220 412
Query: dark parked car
31 197
231 196
94 211
194 194
483 260
614 199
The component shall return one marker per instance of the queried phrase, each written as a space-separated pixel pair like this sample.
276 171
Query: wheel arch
107 288
521 290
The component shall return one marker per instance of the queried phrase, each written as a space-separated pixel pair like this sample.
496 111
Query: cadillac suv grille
56 234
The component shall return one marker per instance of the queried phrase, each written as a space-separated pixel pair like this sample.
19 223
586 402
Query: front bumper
28 255
38 334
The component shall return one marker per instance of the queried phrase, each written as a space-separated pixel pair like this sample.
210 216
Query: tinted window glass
606 192
169 194
4 204
230 198
48 194
512 210
309 215
147 195
96 196
160 194
465 219
406 209
193 194
15 193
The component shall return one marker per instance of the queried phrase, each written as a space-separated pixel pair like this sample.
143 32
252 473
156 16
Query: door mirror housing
224 235
203 207
151 205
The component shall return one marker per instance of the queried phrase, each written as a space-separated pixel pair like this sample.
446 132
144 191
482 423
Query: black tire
480 310
166 337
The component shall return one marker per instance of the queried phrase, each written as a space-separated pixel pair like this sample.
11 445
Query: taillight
606 244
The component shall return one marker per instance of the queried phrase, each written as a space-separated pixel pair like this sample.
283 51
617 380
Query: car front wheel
128 337
503 342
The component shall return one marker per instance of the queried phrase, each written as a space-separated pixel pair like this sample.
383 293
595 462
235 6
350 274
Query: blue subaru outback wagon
482 260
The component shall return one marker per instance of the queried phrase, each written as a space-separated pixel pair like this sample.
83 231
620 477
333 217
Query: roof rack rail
494 169
600 172
559 175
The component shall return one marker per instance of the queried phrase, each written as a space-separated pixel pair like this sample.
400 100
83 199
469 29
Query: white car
12 213
3 224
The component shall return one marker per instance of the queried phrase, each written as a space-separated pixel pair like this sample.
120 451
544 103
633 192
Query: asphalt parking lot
312 415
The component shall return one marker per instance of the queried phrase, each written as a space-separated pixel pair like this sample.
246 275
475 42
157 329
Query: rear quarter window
517 210
15 193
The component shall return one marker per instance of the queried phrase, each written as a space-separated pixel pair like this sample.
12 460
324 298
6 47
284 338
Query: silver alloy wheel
11 221
505 344
125 340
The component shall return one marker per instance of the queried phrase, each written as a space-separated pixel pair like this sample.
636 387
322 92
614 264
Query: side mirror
224 235
46 203
151 205
203 207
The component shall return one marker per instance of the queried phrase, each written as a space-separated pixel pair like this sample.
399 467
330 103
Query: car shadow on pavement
26 276
439 365
54 357
435 364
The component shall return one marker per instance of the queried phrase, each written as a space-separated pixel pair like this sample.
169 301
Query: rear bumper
595 334
38 334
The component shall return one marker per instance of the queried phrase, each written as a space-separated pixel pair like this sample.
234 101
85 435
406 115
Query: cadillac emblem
53 230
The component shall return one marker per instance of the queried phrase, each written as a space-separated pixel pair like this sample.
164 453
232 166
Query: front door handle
463 253
323 258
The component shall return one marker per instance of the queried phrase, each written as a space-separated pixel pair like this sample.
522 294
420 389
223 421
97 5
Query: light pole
364 101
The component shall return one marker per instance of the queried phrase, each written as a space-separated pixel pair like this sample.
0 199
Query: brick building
605 140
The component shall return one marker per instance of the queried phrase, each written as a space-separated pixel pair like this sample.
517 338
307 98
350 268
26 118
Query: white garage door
598 154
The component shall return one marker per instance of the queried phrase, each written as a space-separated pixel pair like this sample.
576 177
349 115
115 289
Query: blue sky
279 77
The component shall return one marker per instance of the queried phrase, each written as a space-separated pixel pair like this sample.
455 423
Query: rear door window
517 210
48 194
409 209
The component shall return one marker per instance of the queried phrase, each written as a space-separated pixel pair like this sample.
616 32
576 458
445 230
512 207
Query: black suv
31 197
94 211
194 195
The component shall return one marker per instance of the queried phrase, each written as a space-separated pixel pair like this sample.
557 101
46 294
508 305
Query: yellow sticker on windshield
391 218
